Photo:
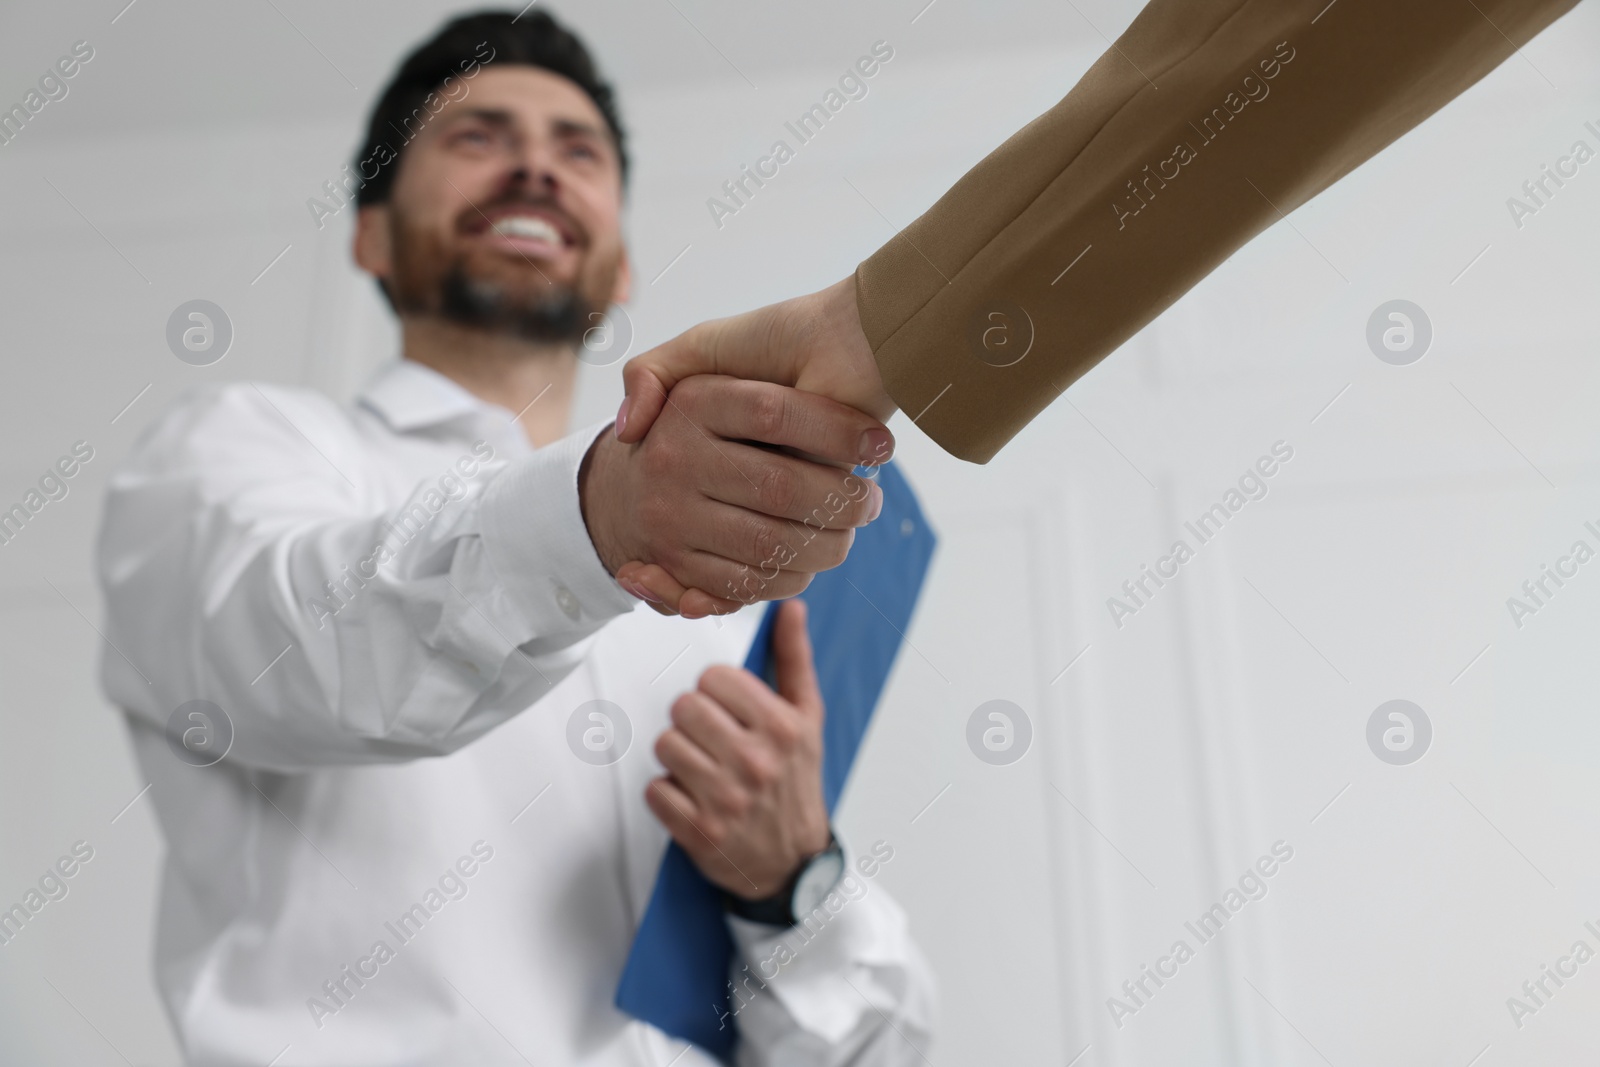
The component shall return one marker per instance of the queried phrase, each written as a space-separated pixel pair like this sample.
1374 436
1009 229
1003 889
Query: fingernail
877 502
635 589
622 417
876 447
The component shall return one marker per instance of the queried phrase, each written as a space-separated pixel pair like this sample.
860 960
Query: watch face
817 881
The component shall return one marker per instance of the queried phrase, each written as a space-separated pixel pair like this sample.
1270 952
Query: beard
506 296
558 315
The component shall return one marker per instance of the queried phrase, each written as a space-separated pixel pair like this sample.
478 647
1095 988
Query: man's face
506 211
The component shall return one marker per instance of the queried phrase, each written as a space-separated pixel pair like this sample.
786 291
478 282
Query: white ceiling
187 62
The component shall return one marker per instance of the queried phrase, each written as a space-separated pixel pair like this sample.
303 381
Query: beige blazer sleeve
1202 125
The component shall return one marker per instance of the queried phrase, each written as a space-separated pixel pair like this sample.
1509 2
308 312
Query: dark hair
460 49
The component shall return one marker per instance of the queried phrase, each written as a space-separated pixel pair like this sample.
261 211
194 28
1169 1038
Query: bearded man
415 754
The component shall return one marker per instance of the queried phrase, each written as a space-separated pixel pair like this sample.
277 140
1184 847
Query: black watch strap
778 909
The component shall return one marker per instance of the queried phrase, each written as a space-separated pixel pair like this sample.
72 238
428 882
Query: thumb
791 647
753 345
648 378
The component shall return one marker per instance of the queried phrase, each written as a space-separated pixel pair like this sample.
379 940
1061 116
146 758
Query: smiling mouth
529 227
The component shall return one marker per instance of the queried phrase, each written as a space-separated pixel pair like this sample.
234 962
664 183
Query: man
1206 122
398 716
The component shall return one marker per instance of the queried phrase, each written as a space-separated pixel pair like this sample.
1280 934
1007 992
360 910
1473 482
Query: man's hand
814 343
716 513
743 789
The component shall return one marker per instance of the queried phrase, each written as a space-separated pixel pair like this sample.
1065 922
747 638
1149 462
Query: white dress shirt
402 858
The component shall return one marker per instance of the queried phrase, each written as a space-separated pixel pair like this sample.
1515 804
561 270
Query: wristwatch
802 895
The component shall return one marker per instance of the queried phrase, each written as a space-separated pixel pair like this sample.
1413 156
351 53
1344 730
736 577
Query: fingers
677 811
736 536
693 769
697 604
788 487
735 409
699 441
726 737
647 379
713 754
791 648
652 584
765 520
814 342
749 558
705 721
752 703
727 582
748 345
701 832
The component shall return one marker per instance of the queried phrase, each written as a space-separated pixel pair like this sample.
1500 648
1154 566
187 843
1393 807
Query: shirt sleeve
1206 122
251 556
847 986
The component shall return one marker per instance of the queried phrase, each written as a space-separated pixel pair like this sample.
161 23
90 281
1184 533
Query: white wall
1221 718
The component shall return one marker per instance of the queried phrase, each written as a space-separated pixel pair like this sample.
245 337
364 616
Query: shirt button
567 601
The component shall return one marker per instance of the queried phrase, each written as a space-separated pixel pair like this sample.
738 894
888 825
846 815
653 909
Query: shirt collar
408 395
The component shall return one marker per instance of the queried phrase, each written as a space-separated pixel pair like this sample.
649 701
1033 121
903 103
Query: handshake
730 476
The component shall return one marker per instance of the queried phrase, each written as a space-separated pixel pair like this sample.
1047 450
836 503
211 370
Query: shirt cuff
536 540
855 927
